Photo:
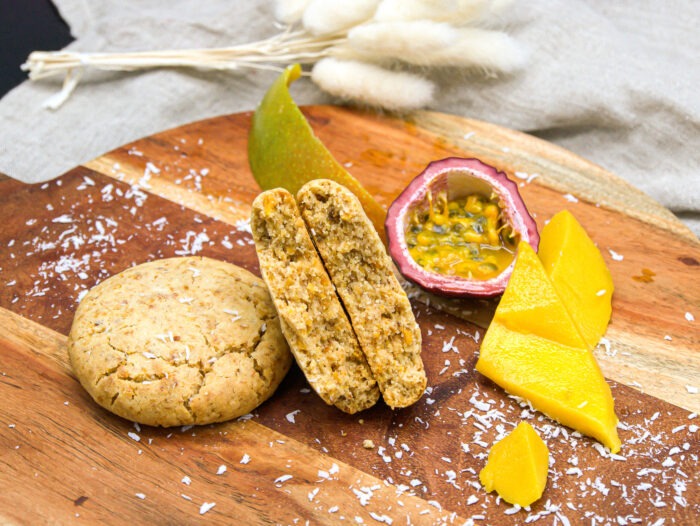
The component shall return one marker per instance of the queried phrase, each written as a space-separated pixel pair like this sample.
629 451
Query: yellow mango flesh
284 152
563 382
533 349
579 274
530 303
517 466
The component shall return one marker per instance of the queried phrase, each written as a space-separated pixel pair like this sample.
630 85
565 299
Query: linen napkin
615 82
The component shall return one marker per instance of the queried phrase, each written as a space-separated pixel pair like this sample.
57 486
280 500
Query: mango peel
284 152
517 466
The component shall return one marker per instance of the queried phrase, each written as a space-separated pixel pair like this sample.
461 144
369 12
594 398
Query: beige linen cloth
615 82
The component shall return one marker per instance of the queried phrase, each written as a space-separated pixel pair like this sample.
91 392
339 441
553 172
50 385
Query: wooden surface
65 460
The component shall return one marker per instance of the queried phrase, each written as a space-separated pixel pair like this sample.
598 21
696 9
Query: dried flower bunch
367 51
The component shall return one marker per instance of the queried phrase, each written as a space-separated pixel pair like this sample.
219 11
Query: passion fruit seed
466 237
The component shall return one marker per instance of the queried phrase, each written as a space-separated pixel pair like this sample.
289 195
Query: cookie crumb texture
312 318
179 341
362 273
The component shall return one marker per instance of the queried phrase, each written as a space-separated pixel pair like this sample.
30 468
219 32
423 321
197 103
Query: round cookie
179 341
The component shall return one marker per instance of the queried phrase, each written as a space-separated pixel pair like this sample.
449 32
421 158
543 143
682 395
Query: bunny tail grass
372 85
331 16
417 38
426 43
491 51
456 12
289 11
369 42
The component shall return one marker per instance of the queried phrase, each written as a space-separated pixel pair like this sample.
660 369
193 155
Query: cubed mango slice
561 381
530 303
579 274
517 466
533 349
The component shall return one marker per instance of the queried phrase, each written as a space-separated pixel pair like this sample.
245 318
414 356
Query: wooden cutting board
294 460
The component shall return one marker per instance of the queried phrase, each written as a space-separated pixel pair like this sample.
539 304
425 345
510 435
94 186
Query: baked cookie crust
179 341
312 317
362 272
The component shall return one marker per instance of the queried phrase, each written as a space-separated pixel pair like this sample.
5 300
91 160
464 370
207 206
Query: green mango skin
284 152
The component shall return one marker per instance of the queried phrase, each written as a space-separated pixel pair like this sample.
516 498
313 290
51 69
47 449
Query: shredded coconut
205 507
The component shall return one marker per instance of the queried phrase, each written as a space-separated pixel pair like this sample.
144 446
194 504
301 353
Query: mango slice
284 152
579 274
517 466
530 303
563 382
542 359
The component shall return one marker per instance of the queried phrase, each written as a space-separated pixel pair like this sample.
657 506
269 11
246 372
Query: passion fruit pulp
455 228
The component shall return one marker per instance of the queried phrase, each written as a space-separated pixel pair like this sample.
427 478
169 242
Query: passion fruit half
455 229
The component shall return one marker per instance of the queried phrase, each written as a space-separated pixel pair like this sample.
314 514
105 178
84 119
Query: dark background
26 26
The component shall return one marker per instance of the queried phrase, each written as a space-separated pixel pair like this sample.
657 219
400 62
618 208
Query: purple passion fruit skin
458 178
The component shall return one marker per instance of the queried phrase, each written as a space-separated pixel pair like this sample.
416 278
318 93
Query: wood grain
618 217
187 191
64 458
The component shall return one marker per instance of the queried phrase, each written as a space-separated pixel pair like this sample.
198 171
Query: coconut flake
282 479
615 255
312 494
205 507
381 518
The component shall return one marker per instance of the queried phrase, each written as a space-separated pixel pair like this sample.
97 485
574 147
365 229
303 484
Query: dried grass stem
365 50
281 49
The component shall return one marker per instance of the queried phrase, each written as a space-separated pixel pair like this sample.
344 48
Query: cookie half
312 317
362 273
179 341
